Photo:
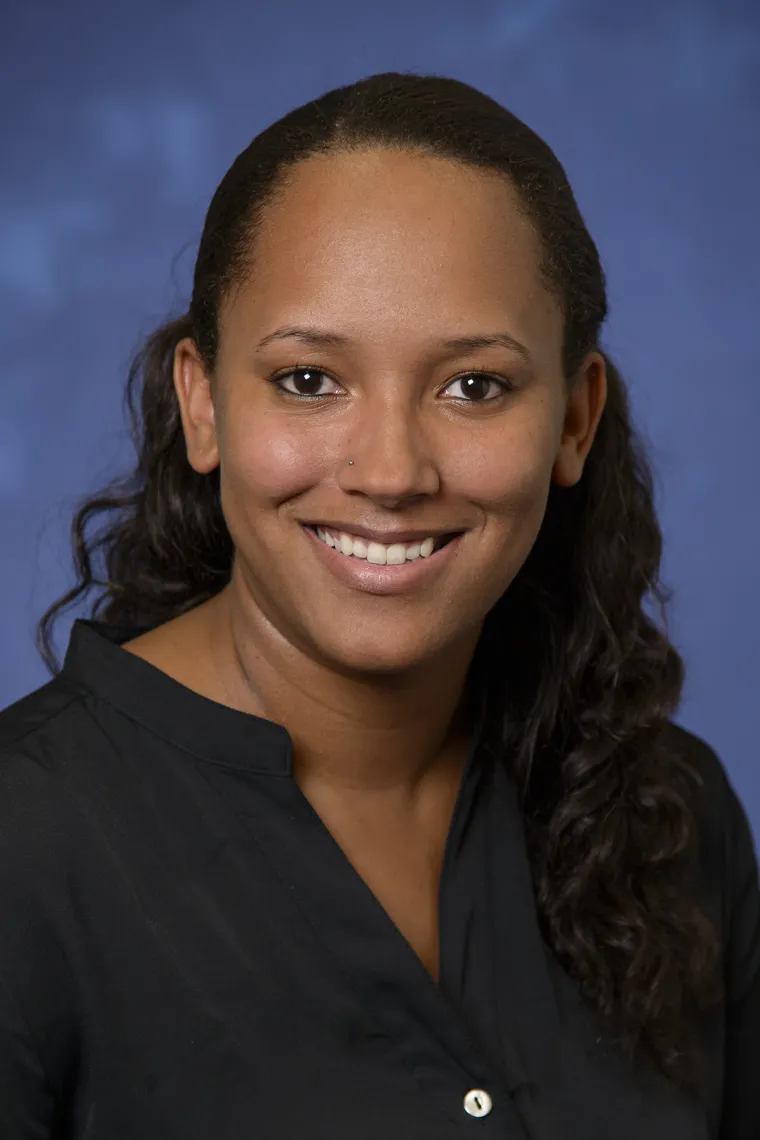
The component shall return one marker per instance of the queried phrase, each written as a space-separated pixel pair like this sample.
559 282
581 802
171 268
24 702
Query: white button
477 1102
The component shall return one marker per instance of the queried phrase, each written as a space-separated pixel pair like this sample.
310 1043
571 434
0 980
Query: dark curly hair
580 682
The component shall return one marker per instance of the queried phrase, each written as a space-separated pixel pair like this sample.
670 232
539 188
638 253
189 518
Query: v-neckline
355 937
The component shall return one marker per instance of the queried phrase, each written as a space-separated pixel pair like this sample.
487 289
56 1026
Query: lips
379 574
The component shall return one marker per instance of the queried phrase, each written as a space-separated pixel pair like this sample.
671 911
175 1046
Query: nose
393 459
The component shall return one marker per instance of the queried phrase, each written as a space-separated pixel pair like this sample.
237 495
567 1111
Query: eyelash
276 380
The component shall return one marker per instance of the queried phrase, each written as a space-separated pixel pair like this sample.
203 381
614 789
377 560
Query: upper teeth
377 552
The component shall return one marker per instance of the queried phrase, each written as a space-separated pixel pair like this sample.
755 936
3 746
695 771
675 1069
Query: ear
193 388
583 412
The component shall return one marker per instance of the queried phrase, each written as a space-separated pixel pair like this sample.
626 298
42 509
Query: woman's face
394 315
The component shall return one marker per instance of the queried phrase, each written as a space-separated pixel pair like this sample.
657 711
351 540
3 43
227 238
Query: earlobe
582 415
193 388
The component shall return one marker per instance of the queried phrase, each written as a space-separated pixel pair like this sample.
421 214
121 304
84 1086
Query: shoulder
36 733
701 758
39 830
722 824
35 713
721 818
44 836
727 861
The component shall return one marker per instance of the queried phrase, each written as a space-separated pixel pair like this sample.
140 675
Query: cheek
506 472
268 461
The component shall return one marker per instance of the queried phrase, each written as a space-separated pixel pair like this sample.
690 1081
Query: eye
304 383
479 387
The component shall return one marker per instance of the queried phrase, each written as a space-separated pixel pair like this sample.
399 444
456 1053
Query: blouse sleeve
741 1091
35 1030
26 1103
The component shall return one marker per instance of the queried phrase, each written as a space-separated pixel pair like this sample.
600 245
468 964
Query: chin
378 662
381 656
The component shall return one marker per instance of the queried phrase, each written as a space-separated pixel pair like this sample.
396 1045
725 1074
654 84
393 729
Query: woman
359 810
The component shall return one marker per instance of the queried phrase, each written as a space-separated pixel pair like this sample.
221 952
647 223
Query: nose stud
350 463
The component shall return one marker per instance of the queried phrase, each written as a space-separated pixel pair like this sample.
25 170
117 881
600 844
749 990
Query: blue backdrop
120 119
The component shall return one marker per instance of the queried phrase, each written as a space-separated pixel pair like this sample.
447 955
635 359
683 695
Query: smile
379 553
377 568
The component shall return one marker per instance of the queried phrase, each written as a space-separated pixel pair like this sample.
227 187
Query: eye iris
307 382
475 386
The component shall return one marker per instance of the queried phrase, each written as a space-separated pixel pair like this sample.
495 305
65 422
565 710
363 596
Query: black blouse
187 954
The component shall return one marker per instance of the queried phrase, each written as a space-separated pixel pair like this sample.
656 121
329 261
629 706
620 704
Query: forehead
386 237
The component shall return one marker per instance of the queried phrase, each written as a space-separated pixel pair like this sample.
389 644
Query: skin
396 252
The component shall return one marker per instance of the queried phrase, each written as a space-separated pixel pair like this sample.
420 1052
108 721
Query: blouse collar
207 729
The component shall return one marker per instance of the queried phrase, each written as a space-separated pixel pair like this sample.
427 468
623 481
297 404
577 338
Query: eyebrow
322 338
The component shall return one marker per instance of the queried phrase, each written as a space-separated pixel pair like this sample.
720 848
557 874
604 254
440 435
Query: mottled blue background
120 119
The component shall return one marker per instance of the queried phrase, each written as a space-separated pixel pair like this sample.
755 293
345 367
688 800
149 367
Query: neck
354 733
